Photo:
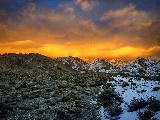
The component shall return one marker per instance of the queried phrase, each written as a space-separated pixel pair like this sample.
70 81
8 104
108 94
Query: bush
114 110
156 88
125 84
145 115
137 104
153 104
4 109
108 97
62 115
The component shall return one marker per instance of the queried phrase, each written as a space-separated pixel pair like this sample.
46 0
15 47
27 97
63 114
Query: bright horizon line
125 58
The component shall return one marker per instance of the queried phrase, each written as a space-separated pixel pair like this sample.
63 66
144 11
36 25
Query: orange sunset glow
80 28
83 51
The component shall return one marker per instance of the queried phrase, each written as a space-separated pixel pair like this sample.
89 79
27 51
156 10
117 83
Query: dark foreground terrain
37 87
41 95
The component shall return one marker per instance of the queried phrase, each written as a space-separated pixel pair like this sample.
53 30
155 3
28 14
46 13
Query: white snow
141 89
145 66
148 66
128 116
136 91
103 114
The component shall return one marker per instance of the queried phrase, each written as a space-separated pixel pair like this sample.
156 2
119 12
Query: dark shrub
136 104
4 109
62 115
125 84
108 97
156 88
153 104
145 115
114 110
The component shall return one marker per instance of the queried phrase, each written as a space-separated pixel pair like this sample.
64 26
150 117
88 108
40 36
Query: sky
81 28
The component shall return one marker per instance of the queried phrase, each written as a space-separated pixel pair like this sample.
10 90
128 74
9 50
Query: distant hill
30 61
72 63
33 61
143 66
99 65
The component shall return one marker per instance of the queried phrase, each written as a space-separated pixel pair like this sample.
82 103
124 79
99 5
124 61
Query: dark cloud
151 35
104 25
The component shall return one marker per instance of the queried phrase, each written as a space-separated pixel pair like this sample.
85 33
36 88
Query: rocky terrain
33 86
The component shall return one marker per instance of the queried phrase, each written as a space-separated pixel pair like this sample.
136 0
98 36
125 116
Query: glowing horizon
80 28
52 50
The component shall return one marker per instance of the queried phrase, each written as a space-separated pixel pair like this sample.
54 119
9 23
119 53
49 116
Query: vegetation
114 110
109 97
145 115
153 104
44 92
136 104
35 86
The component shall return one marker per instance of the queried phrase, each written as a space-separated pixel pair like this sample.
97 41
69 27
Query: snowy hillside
136 95
78 64
143 66
139 66
73 63
68 88
99 66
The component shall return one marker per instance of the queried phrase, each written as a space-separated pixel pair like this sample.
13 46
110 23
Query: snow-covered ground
99 66
141 89
140 66
145 66
137 89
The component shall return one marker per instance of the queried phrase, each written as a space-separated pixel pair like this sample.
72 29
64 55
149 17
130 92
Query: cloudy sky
81 28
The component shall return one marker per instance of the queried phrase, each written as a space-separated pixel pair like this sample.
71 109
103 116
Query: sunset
79 59
80 28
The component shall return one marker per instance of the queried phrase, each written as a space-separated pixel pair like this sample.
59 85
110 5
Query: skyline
81 28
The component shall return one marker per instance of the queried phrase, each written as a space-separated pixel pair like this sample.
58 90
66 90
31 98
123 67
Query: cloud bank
77 28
